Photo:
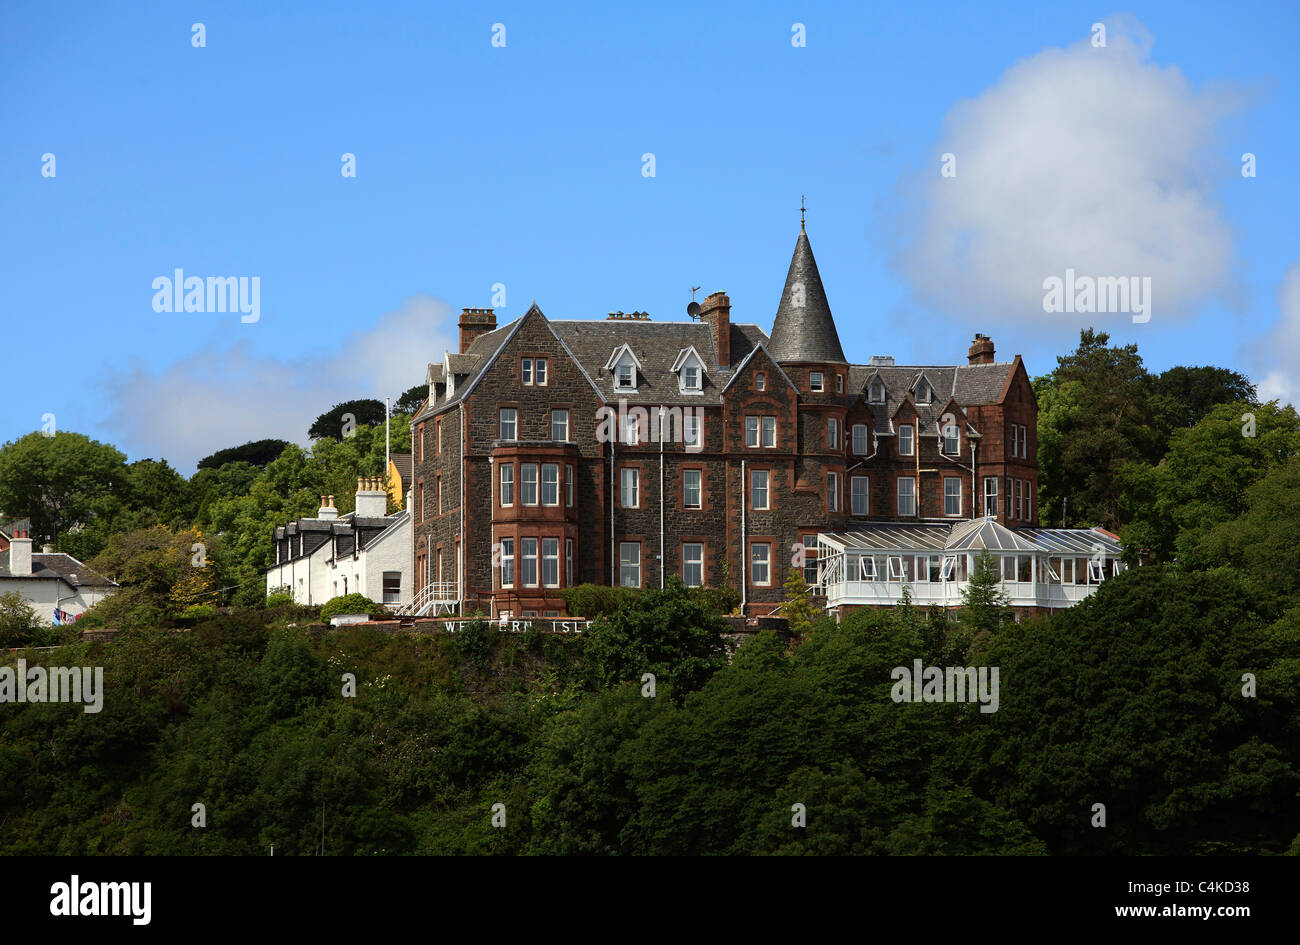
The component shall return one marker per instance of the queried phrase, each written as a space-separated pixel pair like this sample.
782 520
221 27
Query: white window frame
832 491
506 484
570 473
876 391
699 489
552 560
526 372
751 431
753 490
550 484
910 439
955 440
768 435
948 494
568 562
911 482
561 414
629 485
507 562
833 433
524 483
865 494
765 562
816 381
628 563
865 439
512 420
539 372
691 430
692 557
994 496
625 366
527 556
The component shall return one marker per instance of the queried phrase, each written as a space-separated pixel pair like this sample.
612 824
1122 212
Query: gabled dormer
625 368
690 371
876 389
923 390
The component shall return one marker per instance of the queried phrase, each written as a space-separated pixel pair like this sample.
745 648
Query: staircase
435 599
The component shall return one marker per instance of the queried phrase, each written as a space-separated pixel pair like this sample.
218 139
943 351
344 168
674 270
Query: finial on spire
801 210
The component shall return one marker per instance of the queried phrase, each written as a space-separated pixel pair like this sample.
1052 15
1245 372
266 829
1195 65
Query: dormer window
623 365
924 393
876 391
689 368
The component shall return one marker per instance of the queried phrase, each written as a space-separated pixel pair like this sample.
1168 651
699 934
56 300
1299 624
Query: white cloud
212 400
1087 158
1280 351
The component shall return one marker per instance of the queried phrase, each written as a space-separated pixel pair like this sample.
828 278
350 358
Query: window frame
560 412
624 564
911 439
688 561
699 489
816 382
898 491
947 495
853 495
766 563
502 484
526 557
507 556
634 473
514 424
544 485
767 490
524 484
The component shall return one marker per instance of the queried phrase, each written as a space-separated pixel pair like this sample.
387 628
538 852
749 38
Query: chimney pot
981 350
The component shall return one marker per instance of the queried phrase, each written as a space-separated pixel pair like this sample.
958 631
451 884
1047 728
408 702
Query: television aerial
693 310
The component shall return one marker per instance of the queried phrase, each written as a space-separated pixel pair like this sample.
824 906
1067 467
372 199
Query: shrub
596 600
199 611
279 599
351 604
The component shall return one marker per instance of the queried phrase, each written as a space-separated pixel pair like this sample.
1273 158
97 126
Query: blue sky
522 165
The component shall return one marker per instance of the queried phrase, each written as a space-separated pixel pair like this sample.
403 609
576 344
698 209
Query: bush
21 626
279 599
351 604
596 600
199 611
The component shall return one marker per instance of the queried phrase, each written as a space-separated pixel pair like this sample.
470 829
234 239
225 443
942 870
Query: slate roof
404 467
344 529
804 332
482 349
57 565
9 525
969 384
656 345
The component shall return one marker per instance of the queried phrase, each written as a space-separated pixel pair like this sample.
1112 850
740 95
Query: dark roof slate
57 565
803 329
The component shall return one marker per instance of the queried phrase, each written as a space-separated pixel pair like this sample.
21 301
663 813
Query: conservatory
1039 567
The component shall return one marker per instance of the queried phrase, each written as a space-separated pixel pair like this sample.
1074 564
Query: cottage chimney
475 322
327 509
20 554
981 350
716 311
372 500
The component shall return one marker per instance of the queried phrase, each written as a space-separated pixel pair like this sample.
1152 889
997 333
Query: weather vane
801 210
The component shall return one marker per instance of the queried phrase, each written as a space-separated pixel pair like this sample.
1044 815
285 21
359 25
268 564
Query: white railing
1019 594
436 598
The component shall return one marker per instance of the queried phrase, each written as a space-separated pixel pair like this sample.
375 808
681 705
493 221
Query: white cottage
57 585
365 551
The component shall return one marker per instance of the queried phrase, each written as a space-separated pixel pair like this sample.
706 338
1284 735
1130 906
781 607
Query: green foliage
596 600
668 633
798 608
411 400
255 453
985 610
351 604
58 481
279 599
330 425
20 625
158 576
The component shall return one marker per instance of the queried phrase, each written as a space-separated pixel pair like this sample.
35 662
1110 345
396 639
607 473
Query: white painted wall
42 594
317 579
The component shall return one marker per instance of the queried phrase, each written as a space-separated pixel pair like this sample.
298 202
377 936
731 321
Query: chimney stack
475 322
372 500
327 509
981 350
20 554
716 311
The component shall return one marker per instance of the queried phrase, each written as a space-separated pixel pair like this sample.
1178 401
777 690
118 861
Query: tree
412 400
1183 396
161 573
798 608
333 425
669 633
57 481
1094 416
986 608
1202 480
21 625
255 453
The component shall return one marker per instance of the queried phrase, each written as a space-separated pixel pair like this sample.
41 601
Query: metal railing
436 598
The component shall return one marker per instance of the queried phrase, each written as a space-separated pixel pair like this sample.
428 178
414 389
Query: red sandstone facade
523 486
